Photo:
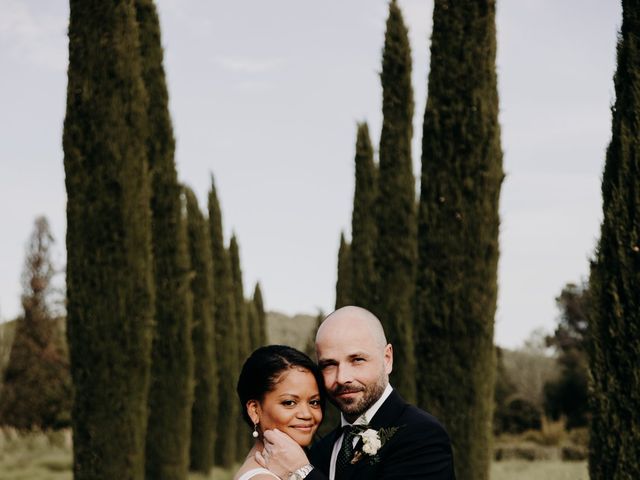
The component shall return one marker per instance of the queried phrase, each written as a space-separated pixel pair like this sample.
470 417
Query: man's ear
253 410
388 358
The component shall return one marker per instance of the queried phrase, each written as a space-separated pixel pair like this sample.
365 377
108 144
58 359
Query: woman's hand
281 454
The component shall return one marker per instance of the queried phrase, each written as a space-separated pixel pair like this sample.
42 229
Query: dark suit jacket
420 448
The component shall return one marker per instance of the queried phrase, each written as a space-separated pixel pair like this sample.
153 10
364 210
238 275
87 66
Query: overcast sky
266 95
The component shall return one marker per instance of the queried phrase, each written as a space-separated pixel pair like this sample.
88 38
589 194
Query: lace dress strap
256 471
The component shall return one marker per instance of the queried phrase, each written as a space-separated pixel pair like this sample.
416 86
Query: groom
381 436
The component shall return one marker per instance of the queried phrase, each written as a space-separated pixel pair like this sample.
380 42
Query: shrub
517 416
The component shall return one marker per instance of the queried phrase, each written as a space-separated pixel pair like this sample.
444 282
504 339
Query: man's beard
352 407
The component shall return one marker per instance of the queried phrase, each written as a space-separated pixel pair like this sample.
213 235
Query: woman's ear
253 410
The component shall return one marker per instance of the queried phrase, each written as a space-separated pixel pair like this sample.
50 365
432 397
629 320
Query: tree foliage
243 333
109 262
395 252
205 405
458 226
226 337
567 395
343 283
261 316
36 390
614 326
171 387
363 223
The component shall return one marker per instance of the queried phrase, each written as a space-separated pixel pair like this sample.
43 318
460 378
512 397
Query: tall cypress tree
261 315
458 224
205 404
244 338
363 222
36 385
243 335
343 283
254 325
171 388
226 337
614 451
395 252
109 263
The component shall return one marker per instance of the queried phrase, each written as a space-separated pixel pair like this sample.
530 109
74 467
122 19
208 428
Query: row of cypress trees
457 245
157 319
429 271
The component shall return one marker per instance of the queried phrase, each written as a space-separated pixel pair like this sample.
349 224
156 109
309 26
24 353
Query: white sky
266 95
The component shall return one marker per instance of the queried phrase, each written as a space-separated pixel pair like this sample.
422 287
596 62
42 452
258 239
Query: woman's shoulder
257 474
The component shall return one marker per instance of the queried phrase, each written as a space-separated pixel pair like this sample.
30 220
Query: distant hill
293 331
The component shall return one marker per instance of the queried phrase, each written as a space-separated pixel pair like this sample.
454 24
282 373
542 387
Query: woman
279 387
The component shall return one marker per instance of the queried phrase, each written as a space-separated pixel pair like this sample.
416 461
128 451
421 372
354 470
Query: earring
255 430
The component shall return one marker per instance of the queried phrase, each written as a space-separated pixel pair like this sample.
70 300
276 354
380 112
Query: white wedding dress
256 471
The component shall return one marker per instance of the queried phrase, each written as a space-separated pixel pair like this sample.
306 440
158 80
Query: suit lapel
389 412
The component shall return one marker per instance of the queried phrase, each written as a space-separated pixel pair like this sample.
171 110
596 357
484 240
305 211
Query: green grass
539 470
34 456
41 456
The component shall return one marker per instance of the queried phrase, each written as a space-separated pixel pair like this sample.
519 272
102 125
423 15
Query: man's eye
358 360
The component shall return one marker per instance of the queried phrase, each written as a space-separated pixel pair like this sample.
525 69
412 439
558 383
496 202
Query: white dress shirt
361 420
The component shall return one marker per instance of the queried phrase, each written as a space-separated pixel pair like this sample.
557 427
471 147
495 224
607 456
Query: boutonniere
372 441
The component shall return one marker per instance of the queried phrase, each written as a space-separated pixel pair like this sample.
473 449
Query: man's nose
344 375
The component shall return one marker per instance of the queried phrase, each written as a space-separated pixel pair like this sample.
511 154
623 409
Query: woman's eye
288 403
315 403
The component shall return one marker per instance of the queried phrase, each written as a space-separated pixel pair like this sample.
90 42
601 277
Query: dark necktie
346 451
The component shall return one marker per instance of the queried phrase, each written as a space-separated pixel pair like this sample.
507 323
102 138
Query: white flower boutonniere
372 441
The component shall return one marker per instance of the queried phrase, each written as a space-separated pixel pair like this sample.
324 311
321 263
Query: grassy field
48 457
539 470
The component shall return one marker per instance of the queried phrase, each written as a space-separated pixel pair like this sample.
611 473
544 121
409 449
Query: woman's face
293 407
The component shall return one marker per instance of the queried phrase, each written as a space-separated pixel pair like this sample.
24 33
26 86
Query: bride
279 388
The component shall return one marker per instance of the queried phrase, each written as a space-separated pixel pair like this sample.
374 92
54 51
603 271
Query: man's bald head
355 359
353 318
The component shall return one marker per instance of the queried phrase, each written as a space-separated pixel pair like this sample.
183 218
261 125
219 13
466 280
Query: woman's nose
304 411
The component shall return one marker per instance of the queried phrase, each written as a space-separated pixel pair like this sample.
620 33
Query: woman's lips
303 428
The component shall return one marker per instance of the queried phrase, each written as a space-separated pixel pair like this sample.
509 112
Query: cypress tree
363 222
343 283
226 338
261 315
254 326
205 404
110 295
395 252
458 224
36 385
243 335
172 364
614 327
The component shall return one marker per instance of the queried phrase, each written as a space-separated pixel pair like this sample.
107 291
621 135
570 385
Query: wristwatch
301 473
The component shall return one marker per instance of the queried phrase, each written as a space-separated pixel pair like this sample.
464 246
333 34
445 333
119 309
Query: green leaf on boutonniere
387 433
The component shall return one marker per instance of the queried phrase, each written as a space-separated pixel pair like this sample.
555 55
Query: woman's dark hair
263 368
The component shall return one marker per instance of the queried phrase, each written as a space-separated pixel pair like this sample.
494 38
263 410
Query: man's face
355 367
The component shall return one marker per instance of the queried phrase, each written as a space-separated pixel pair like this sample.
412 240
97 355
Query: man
381 435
